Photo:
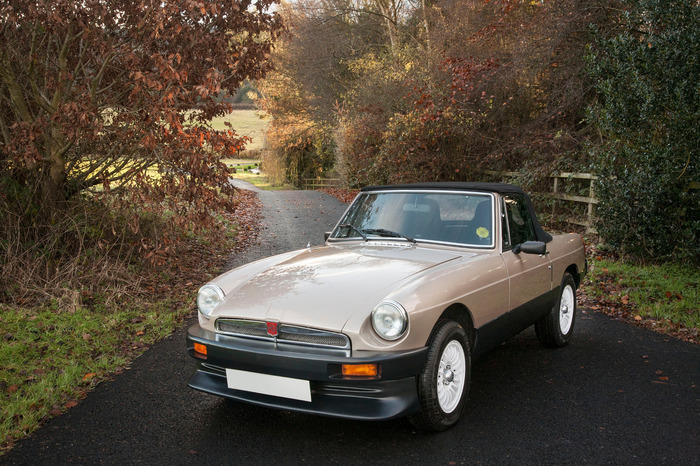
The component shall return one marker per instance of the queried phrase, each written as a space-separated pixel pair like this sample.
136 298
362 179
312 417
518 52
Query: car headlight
208 298
389 320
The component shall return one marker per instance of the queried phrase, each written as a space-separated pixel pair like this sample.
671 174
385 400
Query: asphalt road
618 394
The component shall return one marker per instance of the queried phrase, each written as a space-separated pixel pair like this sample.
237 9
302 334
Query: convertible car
384 320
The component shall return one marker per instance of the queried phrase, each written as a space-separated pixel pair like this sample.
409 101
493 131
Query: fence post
590 200
591 207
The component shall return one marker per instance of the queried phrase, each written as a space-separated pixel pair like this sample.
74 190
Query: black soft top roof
453 185
501 188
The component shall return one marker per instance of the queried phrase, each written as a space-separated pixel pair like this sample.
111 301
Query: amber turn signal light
200 350
360 370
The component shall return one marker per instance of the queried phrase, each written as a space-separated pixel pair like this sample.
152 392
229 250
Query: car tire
555 329
443 385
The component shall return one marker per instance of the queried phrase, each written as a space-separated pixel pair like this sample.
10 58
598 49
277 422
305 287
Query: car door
530 275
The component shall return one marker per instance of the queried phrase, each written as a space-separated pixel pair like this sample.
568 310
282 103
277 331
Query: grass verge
50 359
662 297
53 354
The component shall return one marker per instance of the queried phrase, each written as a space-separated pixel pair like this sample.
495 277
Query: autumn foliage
106 105
439 90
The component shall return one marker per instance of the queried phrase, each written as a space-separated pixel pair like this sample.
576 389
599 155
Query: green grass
49 359
240 161
660 292
245 123
262 181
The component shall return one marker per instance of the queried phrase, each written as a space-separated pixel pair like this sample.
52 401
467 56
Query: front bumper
392 395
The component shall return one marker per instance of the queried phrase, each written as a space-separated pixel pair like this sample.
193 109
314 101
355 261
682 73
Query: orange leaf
71 404
89 376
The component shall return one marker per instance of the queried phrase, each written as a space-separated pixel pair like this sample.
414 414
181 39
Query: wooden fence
321 183
590 200
557 193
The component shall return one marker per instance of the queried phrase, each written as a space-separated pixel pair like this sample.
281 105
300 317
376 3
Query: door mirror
531 247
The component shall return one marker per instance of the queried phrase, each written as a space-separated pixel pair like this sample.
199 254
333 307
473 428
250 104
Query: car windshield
461 218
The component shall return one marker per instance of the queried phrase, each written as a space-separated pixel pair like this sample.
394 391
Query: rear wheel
555 329
443 385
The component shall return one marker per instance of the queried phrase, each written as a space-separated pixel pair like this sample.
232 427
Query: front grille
286 333
248 328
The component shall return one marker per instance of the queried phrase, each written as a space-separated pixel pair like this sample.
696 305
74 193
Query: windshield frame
376 238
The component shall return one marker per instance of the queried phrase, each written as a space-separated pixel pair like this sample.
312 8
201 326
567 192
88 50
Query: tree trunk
388 9
53 177
426 26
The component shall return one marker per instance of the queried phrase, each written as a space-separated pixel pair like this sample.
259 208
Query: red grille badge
273 328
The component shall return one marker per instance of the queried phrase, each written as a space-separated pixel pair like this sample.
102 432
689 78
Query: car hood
323 287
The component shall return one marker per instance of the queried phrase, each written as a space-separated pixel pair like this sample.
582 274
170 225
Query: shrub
648 113
298 150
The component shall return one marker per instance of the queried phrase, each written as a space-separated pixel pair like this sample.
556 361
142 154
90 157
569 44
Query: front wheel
443 385
555 329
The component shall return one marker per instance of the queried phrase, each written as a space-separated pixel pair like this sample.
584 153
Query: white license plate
265 384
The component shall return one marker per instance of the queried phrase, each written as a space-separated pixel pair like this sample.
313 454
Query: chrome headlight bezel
389 320
208 298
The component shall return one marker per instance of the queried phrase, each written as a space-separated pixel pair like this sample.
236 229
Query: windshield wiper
389 233
354 228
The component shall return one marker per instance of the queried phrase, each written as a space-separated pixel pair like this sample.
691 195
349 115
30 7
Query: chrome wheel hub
448 376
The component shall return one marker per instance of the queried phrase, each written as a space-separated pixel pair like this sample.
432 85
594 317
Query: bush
648 114
646 211
298 150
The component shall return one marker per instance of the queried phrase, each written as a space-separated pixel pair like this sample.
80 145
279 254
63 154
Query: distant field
245 123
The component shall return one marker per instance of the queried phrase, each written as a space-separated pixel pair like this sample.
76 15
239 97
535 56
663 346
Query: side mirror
531 247
326 235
